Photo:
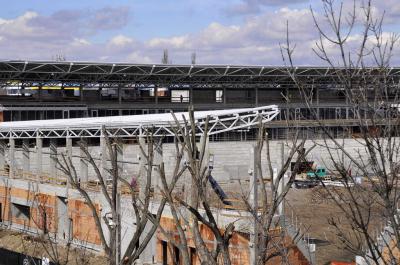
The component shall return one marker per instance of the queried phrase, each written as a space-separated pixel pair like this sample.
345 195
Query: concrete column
68 146
256 96
99 93
158 159
103 158
156 95
40 92
53 157
12 157
81 92
39 156
253 201
120 158
83 165
224 95
62 90
3 148
25 155
119 94
141 178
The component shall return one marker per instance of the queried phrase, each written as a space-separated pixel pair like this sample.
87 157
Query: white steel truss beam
139 125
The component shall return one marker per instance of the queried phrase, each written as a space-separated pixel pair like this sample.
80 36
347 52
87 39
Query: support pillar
141 179
3 148
256 96
224 95
53 157
156 95
158 159
40 92
120 158
253 201
62 90
103 159
119 94
81 92
83 165
12 157
39 156
68 146
25 155
99 93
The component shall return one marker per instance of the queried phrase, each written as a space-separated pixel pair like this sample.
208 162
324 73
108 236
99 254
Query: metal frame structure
139 125
133 75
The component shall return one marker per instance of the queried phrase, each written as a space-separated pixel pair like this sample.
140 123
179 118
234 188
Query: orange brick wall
84 228
239 248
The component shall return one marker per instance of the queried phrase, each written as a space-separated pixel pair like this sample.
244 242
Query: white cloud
136 57
253 41
121 40
177 42
80 42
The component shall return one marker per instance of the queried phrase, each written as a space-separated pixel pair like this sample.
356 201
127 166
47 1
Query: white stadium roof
125 126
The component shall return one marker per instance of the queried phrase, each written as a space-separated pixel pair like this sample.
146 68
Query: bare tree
112 191
165 58
363 76
198 209
268 211
193 58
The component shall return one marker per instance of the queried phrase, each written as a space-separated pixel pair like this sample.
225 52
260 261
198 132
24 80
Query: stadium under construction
47 107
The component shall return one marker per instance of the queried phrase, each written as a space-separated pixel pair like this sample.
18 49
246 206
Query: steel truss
218 122
133 75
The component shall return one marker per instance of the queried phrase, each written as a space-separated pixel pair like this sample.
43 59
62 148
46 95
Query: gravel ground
314 212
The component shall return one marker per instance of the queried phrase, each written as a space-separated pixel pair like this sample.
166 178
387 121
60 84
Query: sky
247 32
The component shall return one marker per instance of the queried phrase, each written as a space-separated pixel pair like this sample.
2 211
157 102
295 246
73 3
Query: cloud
109 18
246 7
121 40
64 24
255 40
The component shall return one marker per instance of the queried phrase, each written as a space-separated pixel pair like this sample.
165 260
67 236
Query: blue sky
220 32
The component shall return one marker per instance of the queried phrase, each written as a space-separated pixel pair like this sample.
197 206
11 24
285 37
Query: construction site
129 145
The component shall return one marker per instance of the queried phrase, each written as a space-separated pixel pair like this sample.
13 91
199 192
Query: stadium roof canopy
217 121
129 75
